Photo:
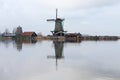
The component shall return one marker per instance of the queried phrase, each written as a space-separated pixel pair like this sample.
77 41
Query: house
73 37
8 35
29 35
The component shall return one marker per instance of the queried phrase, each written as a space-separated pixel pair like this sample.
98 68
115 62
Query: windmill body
58 30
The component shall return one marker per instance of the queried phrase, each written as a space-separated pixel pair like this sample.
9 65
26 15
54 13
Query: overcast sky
93 17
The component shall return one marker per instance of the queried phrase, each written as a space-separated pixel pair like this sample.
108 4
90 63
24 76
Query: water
48 60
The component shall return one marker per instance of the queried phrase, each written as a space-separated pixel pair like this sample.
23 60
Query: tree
7 31
18 30
14 30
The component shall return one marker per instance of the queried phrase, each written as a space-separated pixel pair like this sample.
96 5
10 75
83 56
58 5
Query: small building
8 35
73 37
29 35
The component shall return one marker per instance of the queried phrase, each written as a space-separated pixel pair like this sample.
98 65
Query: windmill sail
56 13
50 19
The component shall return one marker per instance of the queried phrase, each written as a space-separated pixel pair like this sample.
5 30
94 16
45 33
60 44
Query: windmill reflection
58 46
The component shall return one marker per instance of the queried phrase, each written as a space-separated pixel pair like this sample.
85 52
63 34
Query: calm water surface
48 60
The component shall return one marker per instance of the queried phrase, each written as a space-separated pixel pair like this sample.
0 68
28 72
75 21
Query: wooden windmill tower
58 30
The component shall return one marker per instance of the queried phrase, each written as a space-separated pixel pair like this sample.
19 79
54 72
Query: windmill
58 30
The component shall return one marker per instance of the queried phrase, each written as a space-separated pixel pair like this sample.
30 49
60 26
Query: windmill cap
60 19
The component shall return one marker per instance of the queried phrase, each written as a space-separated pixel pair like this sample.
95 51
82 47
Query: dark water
48 60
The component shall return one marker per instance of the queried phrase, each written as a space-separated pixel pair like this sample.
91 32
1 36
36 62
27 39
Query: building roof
27 33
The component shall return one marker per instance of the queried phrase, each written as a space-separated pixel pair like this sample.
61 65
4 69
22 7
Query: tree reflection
18 45
20 42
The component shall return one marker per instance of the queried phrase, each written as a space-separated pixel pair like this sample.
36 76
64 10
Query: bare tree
7 31
14 30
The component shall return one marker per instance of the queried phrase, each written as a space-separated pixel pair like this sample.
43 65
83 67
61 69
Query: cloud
100 3
79 3
1 4
29 13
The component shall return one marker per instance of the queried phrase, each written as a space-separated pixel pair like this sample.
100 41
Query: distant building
29 35
73 37
8 35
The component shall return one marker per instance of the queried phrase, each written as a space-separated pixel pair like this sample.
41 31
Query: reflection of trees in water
18 45
7 42
20 42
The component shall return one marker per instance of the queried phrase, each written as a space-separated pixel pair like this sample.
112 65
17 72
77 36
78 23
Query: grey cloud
1 4
96 3
35 12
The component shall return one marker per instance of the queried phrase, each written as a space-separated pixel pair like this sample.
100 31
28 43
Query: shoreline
70 38
79 38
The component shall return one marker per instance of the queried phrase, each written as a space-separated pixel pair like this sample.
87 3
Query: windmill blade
63 19
56 13
50 19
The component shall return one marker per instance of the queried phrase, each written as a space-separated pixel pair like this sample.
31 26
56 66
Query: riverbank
77 38
71 38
